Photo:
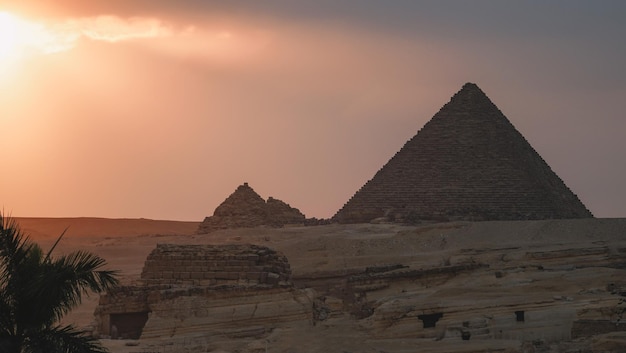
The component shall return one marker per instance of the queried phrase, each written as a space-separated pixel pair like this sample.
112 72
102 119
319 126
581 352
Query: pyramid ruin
467 163
244 208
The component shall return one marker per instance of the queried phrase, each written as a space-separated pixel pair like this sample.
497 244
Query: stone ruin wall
172 272
196 265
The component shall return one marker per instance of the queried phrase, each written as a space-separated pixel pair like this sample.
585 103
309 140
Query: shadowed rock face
467 163
246 209
459 287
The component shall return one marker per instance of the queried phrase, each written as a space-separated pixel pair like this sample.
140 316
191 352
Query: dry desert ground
476 274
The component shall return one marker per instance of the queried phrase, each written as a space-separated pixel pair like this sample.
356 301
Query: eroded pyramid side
244 208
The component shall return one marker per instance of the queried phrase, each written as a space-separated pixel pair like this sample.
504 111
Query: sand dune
43 228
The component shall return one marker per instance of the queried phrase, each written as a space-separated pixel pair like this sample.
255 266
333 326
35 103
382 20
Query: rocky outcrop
186 289
548 298
234 313
517 287
246 209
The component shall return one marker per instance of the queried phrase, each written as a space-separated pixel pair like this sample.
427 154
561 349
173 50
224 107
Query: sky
160 109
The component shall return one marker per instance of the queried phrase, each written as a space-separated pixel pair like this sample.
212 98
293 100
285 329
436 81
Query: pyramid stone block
467 163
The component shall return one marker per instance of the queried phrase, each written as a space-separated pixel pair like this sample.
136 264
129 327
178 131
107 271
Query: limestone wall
238 313
177 274
210 265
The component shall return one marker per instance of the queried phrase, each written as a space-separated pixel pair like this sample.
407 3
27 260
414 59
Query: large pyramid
467 163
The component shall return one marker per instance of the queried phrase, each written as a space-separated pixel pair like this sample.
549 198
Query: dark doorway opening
430 320
128 325
519 316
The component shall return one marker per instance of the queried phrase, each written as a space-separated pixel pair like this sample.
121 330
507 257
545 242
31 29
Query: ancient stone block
197 275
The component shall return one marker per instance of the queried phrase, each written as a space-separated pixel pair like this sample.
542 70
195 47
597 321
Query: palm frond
63 339
15 251
37 290
7 315
14 246
56 243
63 281
9 344
87 268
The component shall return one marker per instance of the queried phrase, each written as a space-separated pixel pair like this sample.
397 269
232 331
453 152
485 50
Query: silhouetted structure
244 208
467 163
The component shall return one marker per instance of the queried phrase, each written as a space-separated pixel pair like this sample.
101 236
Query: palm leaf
14 247
56 243
66 339
37 290
60 284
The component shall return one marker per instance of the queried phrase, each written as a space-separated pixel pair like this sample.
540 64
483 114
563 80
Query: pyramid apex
470 87
244 186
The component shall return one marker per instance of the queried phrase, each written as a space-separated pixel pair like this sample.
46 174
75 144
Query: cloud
47 38
115 29
223 42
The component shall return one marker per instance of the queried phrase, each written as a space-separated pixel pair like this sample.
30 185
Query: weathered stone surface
199 283
280 213
533 286
244 208
197 265
237 314
467 163
547 299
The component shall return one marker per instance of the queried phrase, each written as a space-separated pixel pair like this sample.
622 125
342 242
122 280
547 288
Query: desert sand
503 245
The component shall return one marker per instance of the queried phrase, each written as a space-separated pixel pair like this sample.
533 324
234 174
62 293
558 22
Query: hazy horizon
160 109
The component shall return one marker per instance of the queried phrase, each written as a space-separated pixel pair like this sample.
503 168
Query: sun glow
9 26
19 37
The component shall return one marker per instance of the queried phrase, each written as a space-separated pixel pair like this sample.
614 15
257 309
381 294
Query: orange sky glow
160 110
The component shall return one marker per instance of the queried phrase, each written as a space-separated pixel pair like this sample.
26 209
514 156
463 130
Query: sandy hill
43 228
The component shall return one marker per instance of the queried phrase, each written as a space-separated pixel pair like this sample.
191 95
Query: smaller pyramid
244 208
467 163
